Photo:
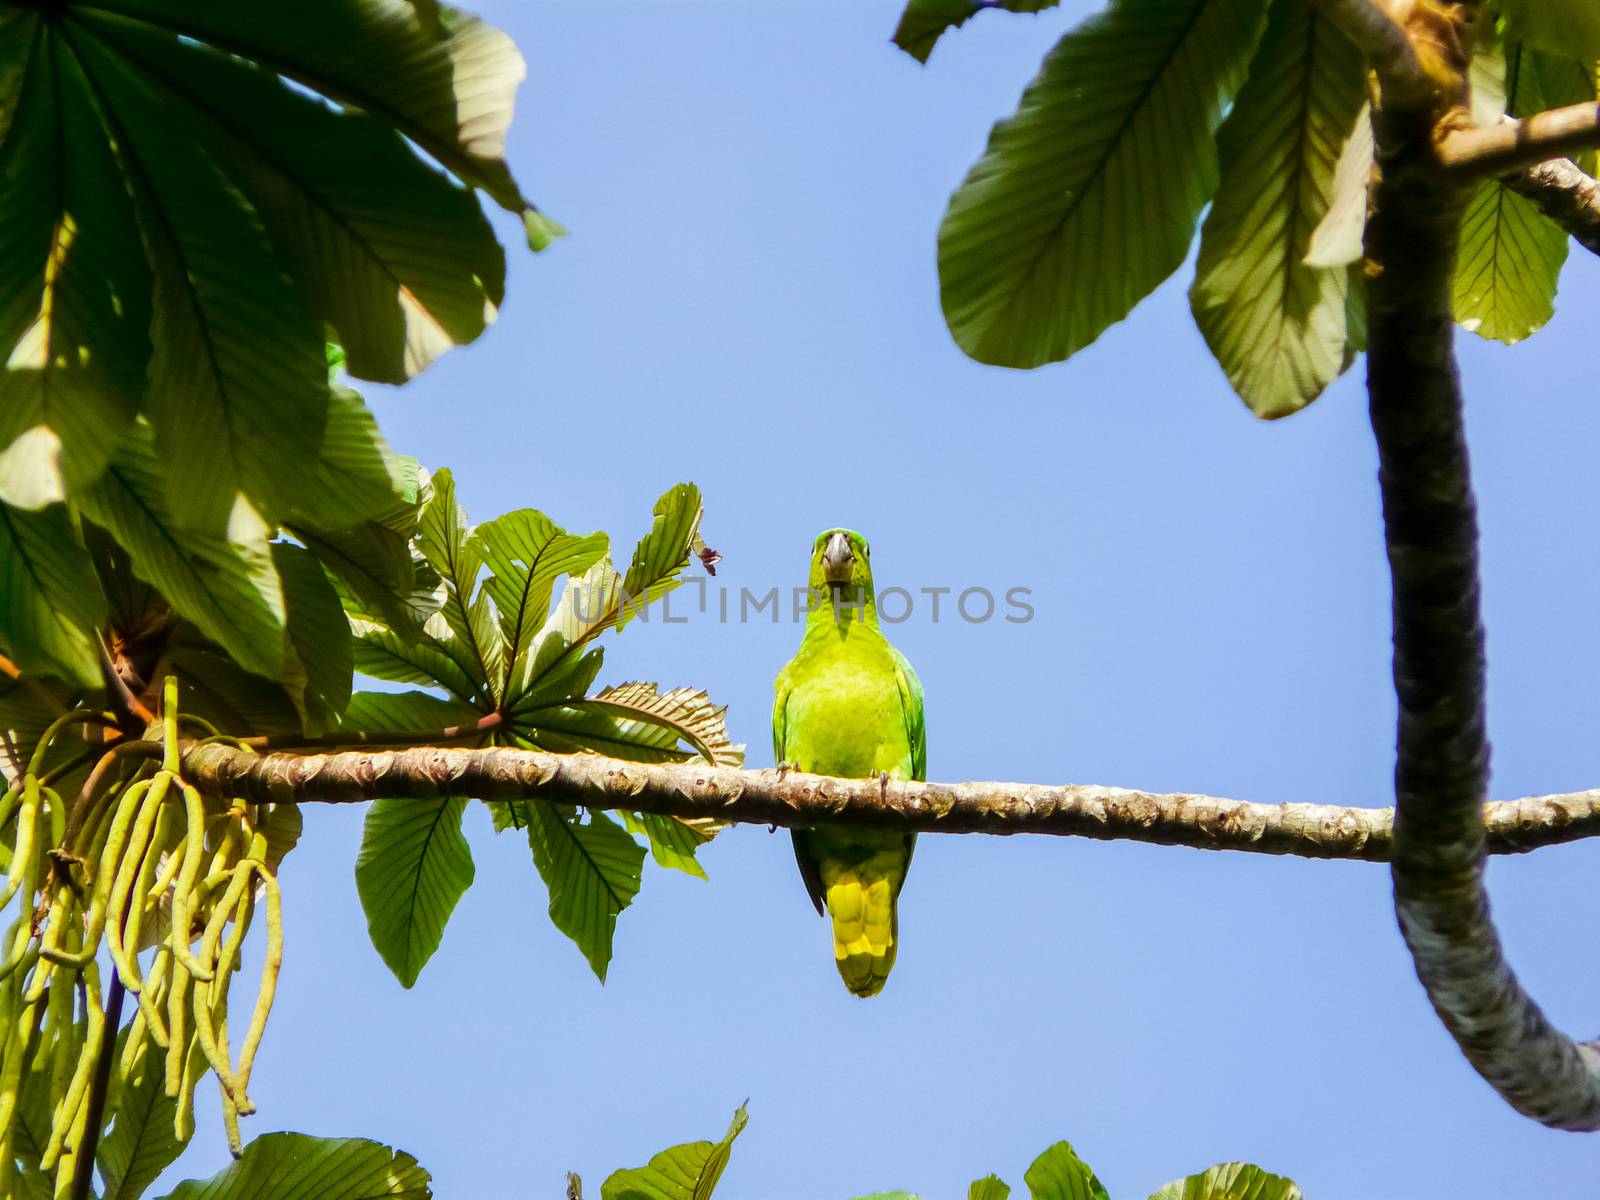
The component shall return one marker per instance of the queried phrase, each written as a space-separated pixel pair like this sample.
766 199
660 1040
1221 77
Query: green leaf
51 605
592 871
217 688
601 599
139 1143
74 287
1230 1181
375 570
238 381
355 475
663 553
687 1172
901 1195
634 721
990 1187
1510 255
673 842
372 712
395 256
384 654
1087 198
1569 27
318 662
446 85
526 553
924 22
293 1166
1059 1174
413 867
1276 325
444 537
225 583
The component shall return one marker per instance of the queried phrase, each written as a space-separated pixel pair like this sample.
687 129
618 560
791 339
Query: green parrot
849 705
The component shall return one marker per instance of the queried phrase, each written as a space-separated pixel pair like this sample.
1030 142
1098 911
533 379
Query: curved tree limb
1430 528
793 799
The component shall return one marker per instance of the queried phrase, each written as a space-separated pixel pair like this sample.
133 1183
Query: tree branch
1382 38
793 799
1565 194
1510 144
1430 529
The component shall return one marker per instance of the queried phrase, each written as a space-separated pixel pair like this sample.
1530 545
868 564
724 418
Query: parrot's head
840 559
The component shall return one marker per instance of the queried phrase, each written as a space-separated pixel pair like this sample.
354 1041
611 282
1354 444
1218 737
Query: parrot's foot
883 786
784 768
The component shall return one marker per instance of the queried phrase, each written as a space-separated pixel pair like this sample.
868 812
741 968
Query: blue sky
748 300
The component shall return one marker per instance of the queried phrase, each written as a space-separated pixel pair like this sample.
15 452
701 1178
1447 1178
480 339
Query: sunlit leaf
526 553
293 1166
1510 255
673 842
1087 198
990 1187
1276 325
1230 1181
74 285
1059 1174
396 257
687 1172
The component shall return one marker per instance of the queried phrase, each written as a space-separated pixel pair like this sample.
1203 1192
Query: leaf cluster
1150 111
692 1171
515 669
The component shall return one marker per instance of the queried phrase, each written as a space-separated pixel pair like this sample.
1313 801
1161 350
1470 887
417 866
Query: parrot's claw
784 768
883 786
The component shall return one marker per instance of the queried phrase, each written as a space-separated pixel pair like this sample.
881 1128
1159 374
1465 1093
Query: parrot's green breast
845 715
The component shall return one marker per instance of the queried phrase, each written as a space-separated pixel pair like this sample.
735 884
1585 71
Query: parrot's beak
837 559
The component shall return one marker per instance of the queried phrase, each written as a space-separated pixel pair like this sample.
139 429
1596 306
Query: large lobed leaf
1087 198
182 224
1277 325
1230 1181
294 1166
687 1172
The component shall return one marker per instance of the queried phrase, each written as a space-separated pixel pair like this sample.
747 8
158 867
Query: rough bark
793 799
1430 526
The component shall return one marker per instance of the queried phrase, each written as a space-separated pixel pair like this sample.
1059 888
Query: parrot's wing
810 871
780 718
911 709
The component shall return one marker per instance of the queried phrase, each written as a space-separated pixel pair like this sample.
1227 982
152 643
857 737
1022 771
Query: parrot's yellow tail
861 901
